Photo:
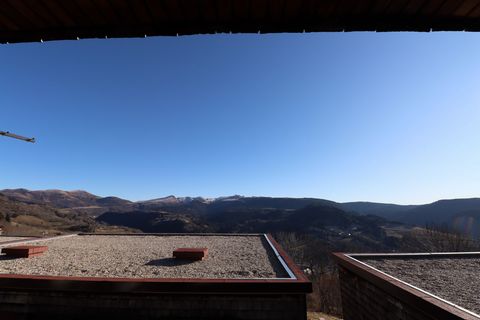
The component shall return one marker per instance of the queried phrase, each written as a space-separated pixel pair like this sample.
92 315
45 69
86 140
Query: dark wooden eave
42 20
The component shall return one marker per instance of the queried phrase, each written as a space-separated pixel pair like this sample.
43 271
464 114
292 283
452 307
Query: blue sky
388 117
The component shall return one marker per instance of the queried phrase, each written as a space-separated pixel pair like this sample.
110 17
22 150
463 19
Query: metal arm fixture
16 136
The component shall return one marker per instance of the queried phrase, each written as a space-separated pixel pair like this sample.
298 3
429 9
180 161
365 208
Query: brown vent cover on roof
24 251
190 253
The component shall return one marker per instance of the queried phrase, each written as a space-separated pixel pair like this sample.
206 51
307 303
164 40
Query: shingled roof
41 20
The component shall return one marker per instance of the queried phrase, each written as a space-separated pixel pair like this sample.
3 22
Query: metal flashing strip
172 234
415 255
279 257
351 256
30 240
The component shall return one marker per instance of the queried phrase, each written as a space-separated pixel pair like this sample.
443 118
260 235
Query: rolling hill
18 217
63 199
242 214
385 210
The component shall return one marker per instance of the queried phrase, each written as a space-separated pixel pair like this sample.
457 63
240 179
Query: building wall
362 300
27 304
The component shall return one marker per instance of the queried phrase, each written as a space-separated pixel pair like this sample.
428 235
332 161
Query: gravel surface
7 239
150 257
454 279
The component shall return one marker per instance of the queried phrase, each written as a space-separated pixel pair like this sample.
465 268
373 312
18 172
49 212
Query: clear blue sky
391 117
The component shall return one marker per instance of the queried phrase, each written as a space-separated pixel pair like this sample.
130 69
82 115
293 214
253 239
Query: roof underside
36 20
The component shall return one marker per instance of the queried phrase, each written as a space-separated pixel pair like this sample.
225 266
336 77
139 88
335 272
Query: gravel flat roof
4 239
137 256
455 279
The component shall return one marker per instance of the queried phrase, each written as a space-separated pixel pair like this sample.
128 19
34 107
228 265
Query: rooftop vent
190 253
24 251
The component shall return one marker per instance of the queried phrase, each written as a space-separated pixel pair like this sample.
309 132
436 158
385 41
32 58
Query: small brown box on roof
24 251
190 253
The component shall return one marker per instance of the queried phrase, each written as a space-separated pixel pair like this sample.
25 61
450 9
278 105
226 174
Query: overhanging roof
42 20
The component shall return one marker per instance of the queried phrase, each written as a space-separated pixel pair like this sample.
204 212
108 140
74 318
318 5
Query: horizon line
244 196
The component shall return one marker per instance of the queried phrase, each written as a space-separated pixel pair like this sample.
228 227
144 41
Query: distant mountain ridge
63 199
460 214
447 212
172 200
19 217
386 210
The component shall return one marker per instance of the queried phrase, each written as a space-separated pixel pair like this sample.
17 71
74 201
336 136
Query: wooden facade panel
346 8
241 9
124 10
173 10
431 7
140 12
90 9
105 9
448 7
475 12
293 10
413 7
361 7
31 20
258 9
208 11
225 11
397 7
31 16
56 10
72 13
14 15
308 13
91 305
7 23
381 7
466 8
325 8
156 11
190 11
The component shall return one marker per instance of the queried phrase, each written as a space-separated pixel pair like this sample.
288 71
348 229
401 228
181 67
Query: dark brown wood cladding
42 20
405 297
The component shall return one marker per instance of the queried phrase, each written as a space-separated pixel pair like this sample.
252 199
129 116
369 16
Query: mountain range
245 214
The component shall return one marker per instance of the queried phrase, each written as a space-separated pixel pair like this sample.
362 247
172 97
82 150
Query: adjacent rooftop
454 278
427 285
